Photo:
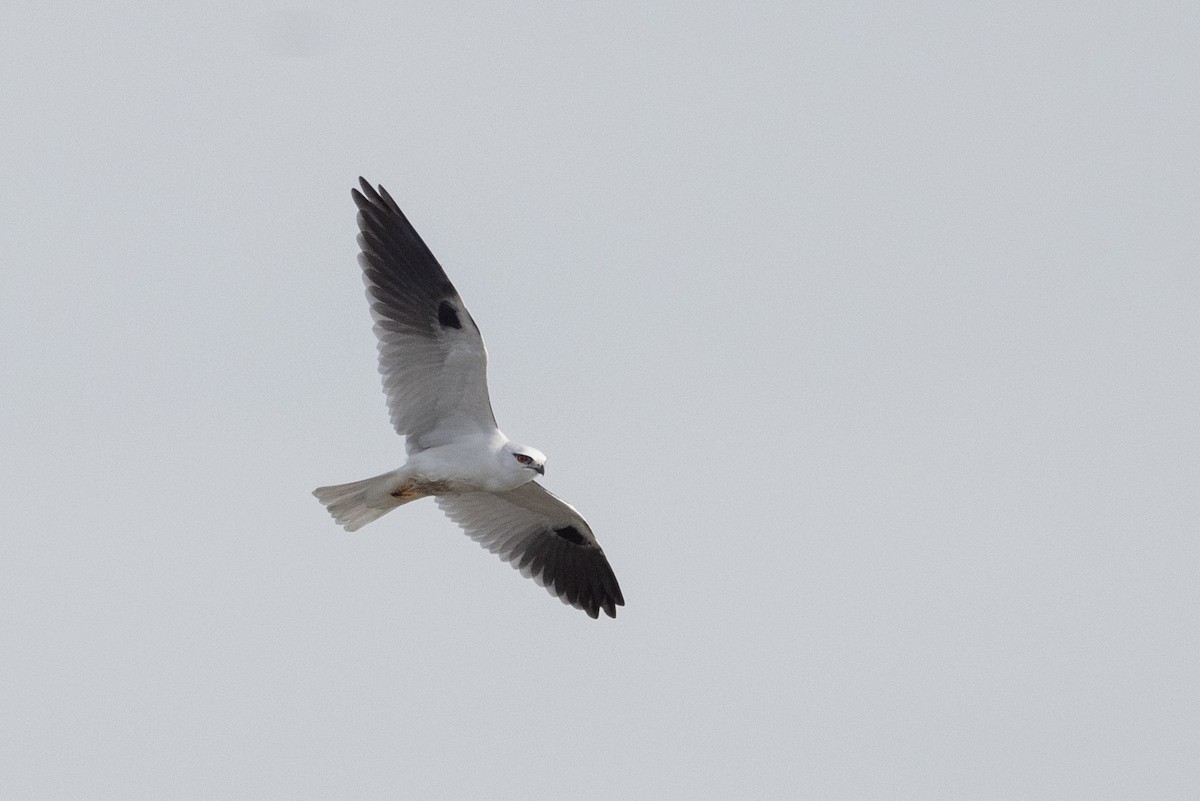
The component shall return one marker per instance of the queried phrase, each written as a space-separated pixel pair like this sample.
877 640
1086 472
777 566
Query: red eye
523 459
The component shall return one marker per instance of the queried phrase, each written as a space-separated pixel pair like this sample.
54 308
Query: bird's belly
473 482
457 469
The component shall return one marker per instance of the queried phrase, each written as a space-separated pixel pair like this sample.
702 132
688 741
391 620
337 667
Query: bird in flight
434 368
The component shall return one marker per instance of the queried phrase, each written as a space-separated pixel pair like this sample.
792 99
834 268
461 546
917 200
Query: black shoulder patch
570 534
448 315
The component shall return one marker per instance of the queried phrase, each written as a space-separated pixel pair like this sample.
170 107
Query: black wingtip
366 195
376 200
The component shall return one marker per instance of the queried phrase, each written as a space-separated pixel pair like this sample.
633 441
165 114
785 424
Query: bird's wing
543 537
431 356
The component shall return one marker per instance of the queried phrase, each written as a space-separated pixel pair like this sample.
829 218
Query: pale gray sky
866 336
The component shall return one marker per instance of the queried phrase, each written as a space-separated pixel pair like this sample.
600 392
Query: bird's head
525 458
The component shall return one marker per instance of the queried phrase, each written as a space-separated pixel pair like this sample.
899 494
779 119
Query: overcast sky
866 336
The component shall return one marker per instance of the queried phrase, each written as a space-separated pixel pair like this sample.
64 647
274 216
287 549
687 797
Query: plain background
865 334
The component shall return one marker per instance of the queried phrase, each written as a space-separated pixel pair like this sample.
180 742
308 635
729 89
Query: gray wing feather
431 355
543 537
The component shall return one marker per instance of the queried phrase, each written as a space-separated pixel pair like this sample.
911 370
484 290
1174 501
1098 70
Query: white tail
355 504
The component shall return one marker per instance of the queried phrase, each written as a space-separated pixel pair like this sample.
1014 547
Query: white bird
434 368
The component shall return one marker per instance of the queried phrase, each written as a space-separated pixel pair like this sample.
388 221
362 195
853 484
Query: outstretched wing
431 356
543 537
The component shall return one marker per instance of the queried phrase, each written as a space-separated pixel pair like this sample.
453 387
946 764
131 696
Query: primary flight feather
434 368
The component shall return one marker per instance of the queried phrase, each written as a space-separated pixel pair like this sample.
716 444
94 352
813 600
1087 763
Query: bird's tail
355 504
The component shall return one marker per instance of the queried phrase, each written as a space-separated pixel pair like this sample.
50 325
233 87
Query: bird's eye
523 459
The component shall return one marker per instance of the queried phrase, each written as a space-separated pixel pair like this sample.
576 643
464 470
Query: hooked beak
541 469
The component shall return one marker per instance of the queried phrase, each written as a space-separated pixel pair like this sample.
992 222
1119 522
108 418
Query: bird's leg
413 488
407 491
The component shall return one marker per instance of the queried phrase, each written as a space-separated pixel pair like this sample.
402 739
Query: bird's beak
541 468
